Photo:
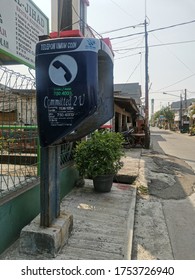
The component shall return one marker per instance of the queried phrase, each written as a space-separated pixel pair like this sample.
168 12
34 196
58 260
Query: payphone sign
67 86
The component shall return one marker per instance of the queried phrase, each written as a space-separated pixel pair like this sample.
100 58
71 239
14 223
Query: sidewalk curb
130 228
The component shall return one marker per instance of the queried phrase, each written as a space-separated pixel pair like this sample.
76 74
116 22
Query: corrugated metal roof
132 90
176 105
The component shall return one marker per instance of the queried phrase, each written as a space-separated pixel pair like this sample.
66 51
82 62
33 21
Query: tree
168 116
192 110
191 115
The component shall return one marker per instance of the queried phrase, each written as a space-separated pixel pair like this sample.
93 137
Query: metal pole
59 17
185 97
49 185
146 73
181 109
147 133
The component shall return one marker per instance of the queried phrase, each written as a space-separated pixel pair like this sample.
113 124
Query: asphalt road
164 218
175 144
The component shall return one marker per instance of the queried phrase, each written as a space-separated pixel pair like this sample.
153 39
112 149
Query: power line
132 72
158 45
125 36
128 49
174 25
176 90
154 30
127 56
122 28
177 82
173 43
124 41
176 56
125 11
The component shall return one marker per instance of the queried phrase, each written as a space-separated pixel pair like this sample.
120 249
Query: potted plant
99 158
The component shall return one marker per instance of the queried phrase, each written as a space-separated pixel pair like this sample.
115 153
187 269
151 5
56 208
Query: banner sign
21 23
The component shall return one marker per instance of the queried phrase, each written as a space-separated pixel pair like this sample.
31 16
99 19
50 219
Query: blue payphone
74 81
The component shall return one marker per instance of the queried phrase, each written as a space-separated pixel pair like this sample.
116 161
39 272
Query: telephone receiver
58 64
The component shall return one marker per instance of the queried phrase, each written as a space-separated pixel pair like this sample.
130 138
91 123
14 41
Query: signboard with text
21 23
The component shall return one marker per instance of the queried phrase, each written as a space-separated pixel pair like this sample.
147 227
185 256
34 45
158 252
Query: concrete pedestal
35 239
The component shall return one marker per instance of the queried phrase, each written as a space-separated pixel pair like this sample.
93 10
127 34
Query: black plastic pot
103 183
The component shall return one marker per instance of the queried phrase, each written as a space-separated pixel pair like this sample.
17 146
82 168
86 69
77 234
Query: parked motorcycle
131 139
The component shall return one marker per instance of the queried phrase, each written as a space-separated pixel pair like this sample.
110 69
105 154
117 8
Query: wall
23 208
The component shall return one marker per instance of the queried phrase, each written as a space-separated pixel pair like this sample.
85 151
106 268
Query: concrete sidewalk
102 222
149 215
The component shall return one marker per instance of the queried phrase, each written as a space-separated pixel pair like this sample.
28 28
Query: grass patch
142 190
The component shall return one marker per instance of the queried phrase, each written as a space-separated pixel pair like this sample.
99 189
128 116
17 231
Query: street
175 144
164 216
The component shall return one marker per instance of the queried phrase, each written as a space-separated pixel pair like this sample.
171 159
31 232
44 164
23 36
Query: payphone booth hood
74 85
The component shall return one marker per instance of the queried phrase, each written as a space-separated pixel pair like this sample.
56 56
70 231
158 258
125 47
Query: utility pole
152 106
185 98
147 132
181 111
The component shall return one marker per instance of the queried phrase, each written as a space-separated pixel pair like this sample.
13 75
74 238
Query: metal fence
19 147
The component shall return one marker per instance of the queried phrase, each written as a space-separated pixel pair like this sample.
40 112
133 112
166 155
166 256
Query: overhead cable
123 28
154 30
157 45
177 82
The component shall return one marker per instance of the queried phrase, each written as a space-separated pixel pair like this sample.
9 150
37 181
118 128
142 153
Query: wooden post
49 185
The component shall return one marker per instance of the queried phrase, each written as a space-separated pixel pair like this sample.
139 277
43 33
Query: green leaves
166 112
100 154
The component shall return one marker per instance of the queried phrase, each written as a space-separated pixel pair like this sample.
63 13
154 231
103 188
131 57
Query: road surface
175 144
165 217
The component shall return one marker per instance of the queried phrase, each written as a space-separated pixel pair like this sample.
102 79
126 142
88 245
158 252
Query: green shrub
99 155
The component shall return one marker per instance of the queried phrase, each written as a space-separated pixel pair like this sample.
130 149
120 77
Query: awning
126 103
106 126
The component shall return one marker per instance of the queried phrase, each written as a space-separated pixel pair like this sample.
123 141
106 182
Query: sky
171 42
